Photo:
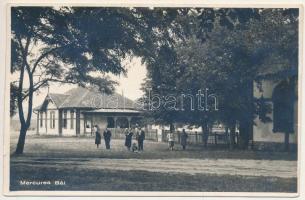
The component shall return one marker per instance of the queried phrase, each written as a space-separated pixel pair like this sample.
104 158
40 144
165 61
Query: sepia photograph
153 99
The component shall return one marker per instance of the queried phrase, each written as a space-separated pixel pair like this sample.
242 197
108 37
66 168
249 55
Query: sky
131 84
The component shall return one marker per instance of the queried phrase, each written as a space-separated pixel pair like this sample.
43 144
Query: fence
198 138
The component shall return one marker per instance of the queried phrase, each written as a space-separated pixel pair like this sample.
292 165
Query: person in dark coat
107 137
141 138
128 140
126 134
183 139
98 136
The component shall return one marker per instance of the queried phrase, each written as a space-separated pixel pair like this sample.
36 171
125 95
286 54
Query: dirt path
270 168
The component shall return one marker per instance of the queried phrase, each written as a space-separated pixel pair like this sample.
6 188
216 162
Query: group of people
98 136
171 140
139 135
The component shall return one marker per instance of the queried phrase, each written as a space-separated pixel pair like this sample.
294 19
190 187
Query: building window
64 124
110 122
41 119
52 119
72 119
88 124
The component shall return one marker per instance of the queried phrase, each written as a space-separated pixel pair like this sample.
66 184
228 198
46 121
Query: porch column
84 124
77 122
37 126
46 122
91 131
60 122
114 119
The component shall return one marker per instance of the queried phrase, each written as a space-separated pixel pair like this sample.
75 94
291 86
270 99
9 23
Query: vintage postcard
153 100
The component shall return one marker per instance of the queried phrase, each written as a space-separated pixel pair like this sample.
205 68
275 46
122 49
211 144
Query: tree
77 46
283 99
228 61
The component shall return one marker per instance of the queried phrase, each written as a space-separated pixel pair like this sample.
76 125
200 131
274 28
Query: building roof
58 99
89 98
279 71
102 110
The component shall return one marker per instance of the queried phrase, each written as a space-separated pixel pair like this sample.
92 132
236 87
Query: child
134 147
170 139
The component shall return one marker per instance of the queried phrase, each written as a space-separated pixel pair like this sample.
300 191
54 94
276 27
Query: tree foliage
232 54
79 46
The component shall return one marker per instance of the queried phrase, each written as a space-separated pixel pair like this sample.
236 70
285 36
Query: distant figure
128 135
183 139
107 137
170 139
137 131
98 136
140 137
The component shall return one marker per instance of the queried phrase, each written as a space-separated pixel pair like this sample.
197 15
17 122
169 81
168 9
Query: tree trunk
246 120
286 141
171 127
232 136
245 132
228 136
21 140
25 123
205 133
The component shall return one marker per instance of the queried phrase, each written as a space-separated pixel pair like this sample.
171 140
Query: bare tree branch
45 81
44 55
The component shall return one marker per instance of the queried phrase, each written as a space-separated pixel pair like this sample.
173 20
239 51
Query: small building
281 96
75 112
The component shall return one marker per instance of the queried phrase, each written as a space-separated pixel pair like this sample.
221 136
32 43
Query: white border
153 3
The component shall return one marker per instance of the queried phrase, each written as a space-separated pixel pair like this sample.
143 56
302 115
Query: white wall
68 131
82 124
262 132
46 128
42 129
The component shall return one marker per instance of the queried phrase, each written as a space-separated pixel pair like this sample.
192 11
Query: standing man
141 138
107 138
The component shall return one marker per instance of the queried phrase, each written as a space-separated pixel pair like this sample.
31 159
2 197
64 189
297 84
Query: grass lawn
80 164
114 180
